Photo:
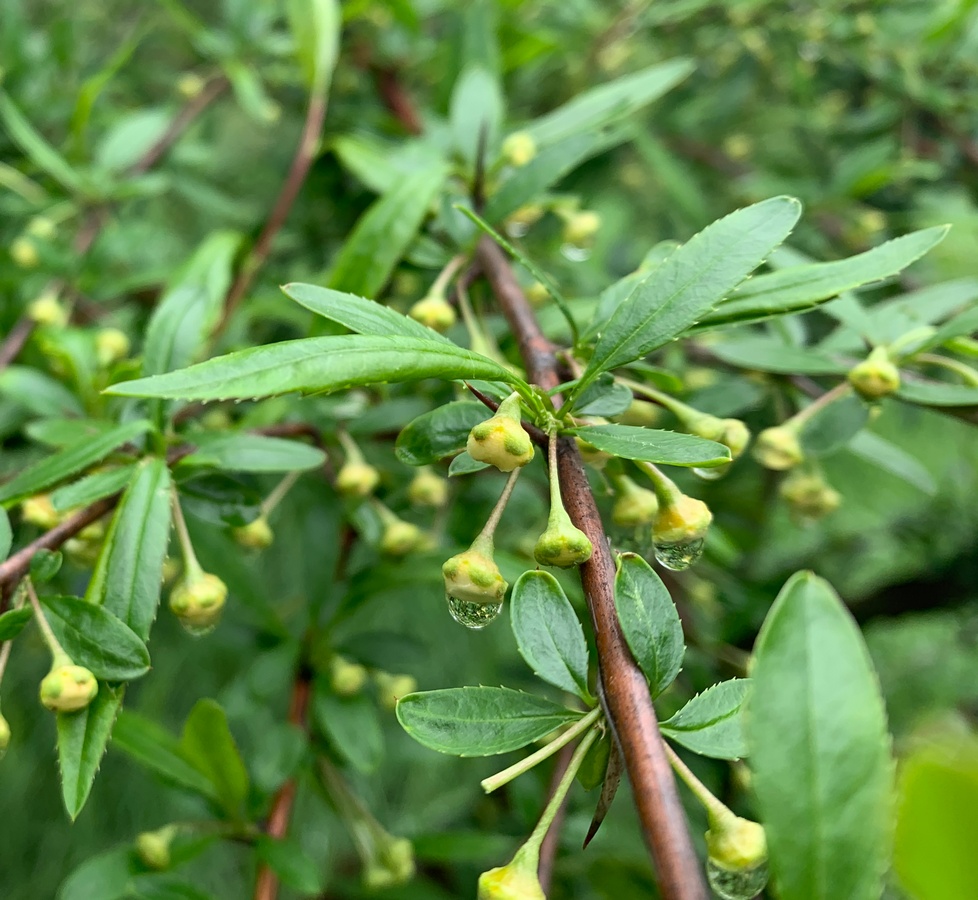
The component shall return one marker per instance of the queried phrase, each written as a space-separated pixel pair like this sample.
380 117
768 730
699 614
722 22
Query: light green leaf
384 232
105 876
763 354
82 739
463 464
895 460
40 393
287 859
316 365
476 106
6 535
243 452
936 393
351 725
13 621
690 282
654 445
441 432
315 26
207 744
964 323
92 487
711 724
64 432
834 425
69 461
819 749
479 721
649 621
548 632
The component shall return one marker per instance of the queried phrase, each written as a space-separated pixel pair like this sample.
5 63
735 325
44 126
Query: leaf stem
700 791
8 645
820 402
665 488
494 782
969 375
485 537
278 493
193 567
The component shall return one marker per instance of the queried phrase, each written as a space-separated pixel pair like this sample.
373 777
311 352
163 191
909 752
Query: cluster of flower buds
779 447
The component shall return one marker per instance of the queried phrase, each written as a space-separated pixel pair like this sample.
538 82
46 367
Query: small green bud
346 678
501 440
153 847
67 688
111 345
703 425
42 227
524 218
563 545
736 437
876 376
511 882
736 857
537 293
392 865
642 413
519 148
581 227
474 577
190 84
48 310
435 312
198 601
634 505
390 688
400 538
681 520
24 253
40 511
256 535
428 489
778 448
809 496
4 735
357 479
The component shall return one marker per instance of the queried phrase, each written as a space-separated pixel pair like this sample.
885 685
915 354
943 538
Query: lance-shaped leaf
316 365
40 393
937 393
770 355
315 26
6 535
886 455
654 445
351 726
649 621
834 425
92 487
548 632
244 452
476 109
819 749
439 433
208 745
711 724
690 282
479 721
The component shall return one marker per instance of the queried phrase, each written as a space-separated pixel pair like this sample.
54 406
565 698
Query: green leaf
315 26
711 724
92 487
96 639
690 282
654 445
102 877
770 355
286 858
82 739
936 393
6 535
606 103
64 432
463 464
384 232
963 324
159 751
834 425
40 393
885 455
243 452
351 726
45 564
316 365
130 567
360 315
13 621
819 749
476 107
441 432
649 621
69 461
548 632
604 397
207 744
479 721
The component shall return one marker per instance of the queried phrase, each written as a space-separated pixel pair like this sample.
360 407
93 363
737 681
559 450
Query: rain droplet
712 473
472 615
517 229
736 884
575 253
198 631
679 556
634 540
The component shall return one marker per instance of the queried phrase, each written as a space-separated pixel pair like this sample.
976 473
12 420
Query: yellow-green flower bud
428 489
641 413
581 227
48 310
357 479
67 688
474 577
392 865
512 882
390 688
876 376
736 437
524 218
40 511
519 148
256 535
400 538
24 253
736 857
435 312
42 227
346 678
634 506
592 456
501 440
809 496
562 544
198 601
778 448
4 735
153 847
682 519
111 344
190 84
537 293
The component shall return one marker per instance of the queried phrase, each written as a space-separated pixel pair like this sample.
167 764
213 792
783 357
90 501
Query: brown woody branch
624 690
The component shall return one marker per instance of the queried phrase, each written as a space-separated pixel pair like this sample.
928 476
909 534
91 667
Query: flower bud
778 448
40 511
42 227
4 735
736 857
67 688
392 865
634 506
512 882
581 227
153 847
198 601
809 496
428 489
876 376
256 535
111 344
519 148
679 532
357 479
642 413
735 437
24 253
537 293
523 219
48 310
474 577
346 678
563 545
190 84
390 688
501 440
591 455
435 312
400 538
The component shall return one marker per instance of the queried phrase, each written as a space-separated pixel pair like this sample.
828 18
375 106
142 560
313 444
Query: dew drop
712 473
575 253
736 884
472 615
679 556
198 631
517 229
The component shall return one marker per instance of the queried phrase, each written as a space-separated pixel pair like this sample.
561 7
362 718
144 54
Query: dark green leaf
770 355
937 393
45 564
654 445
287 859
6 535
207 744
96 639
834 425
13 621
92 487
476 108
479 721
102 877
895 460
548 632
163 886
711 724
40 393
242 452
649 621
316 365
441 432
819 749
351 726
603 397
463 464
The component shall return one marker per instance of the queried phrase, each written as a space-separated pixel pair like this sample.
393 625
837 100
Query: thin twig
14 342
548 849
624 690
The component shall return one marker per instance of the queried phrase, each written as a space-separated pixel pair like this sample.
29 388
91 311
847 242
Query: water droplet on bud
197 631
472 615
575 253
679 556
711 474
736 884
517 229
